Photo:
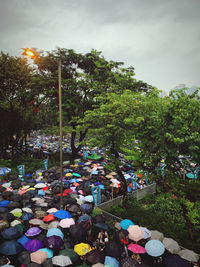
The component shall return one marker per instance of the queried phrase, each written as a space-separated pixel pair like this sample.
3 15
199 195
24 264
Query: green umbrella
71 254
94 156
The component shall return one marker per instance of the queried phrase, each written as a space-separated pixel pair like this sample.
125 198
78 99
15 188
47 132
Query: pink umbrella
66 223
135 248
135 233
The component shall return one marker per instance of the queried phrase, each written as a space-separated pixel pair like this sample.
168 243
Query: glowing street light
32 54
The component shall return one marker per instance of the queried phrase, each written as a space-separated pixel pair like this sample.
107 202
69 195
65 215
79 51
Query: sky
159 38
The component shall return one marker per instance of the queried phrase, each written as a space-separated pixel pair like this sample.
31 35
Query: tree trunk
188 222
75 149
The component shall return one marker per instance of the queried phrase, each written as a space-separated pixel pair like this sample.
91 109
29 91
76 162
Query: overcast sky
159 38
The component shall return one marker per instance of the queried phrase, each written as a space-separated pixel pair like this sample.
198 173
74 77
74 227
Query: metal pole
61 136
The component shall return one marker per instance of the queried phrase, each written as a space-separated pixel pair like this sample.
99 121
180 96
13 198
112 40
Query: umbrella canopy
40 185
10 233
146 233
95 256
49 218
73 208
61 260
11 248
38 256
82 248
3 224
102 225
171 245
62 214
23 240
52 210
78 233
35 221
155 248
128 262
84 218
56 232
26 216
89 198
33 245
99 218
110 261
135 248
53 224
66 223
113 249
24 257
40 213
175 261
157 235
33 231
135 233
48 251
126 223
85 208
71 254
188 255
54 242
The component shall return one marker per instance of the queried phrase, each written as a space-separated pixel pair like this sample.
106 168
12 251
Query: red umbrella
49 218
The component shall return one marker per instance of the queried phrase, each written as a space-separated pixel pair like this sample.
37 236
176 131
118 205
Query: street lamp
32 54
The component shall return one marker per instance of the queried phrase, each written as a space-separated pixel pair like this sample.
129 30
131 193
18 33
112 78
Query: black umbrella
102 226
74 257
3 210
175 261
73 208
24 257
10 233
3 261
16 198
6 194
14 204
95 256
78 233
26 216
99 218
11 248
7 217
113 249
69 200
128 262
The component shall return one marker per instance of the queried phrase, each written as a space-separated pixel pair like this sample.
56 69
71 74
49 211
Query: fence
139 194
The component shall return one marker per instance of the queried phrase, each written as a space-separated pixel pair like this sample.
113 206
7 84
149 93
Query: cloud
159 38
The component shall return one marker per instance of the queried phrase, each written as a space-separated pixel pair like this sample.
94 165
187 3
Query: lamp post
32 54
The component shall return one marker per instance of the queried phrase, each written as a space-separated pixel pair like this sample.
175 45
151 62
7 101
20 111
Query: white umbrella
188 255
27 210
61 260
40 185
157 235
171 245
146 232
6 185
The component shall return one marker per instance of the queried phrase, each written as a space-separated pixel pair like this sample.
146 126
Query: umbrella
155 248
89 198
35 221
33 231
126 223
157 235
61 260
26 216
24 257
53 242
4 203
95 256
48 251
113 249
82 248
71 254
102 225
78 233
135 233
66 223
52 210
40 185
56 232
73 208
49 218
11 248
53 224
3 209
23 240
128 262
40 214
171 245
110 261
15 222
85 208
188 255
38 256
62 214
84 218
99 218
175 261
146 233
10 233
135 248
33 245
27 210
7 217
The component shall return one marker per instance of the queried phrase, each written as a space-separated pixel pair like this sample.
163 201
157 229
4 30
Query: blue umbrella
111 261
23 240
48 251
154 248
10 233
55 231
11 248
62 214
4 203
73 180
76 174
41 192
26 216
85 207
126 223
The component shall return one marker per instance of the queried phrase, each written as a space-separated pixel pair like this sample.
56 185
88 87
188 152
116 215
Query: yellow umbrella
68 174
31 188
82 249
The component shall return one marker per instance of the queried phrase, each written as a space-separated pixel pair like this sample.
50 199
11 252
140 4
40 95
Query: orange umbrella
38 256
